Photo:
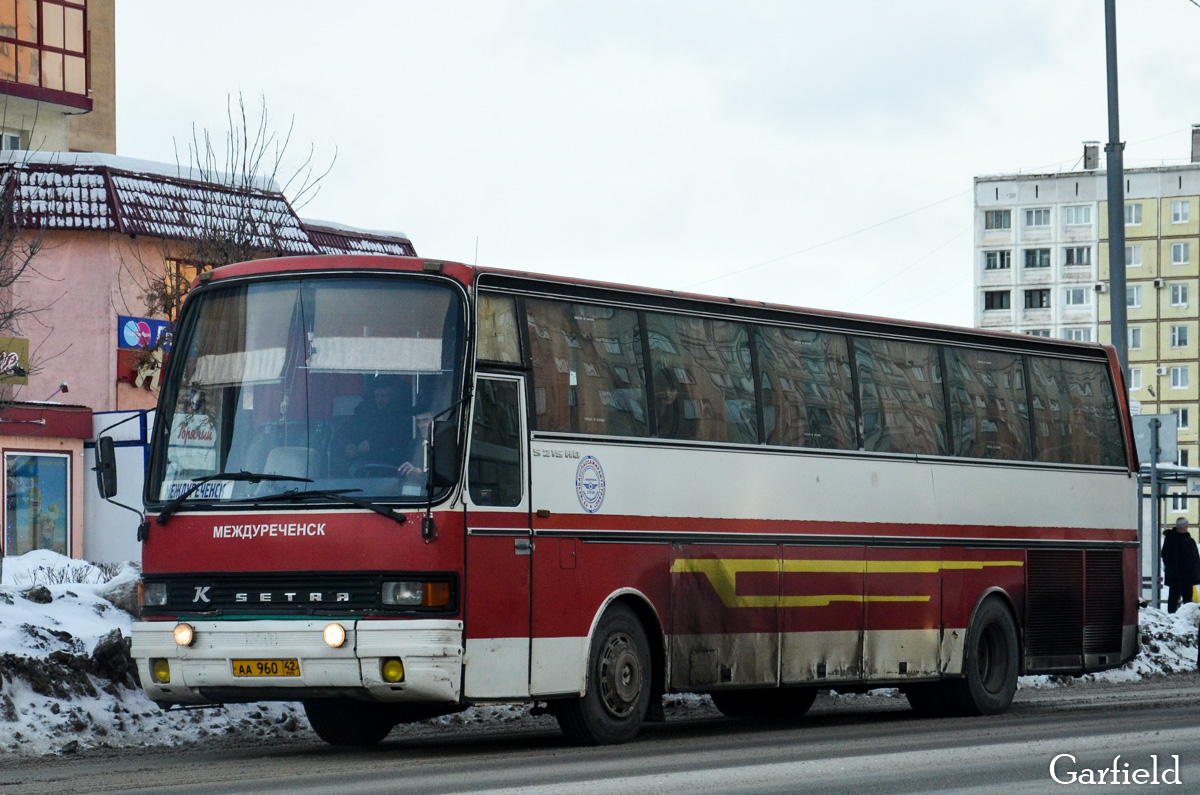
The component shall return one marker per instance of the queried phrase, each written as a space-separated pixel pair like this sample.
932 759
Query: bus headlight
152 594
335 635
392 670
184 634
416 594
160 669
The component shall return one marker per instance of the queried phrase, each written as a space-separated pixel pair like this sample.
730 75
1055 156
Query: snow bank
61 691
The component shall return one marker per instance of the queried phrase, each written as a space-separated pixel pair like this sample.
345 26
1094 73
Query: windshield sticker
212 490
192 430
589 484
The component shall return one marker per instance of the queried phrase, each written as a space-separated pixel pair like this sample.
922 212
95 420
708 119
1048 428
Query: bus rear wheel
618 684
342 721
775 704
990 663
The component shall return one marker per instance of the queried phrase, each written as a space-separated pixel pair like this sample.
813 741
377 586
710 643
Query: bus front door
499 543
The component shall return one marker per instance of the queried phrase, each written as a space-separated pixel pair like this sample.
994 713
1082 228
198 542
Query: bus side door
499 542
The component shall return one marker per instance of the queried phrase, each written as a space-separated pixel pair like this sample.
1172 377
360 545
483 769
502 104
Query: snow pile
67 683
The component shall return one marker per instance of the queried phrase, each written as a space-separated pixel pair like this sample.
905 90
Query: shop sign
14 360
141 332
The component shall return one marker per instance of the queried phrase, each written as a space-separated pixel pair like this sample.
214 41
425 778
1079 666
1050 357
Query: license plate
266 668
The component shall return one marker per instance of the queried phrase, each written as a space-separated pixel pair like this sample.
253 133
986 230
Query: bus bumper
204 672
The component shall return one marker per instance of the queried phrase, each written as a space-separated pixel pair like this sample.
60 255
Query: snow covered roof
96 192
334 238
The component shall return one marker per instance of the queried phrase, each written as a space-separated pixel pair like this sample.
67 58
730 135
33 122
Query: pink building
104 225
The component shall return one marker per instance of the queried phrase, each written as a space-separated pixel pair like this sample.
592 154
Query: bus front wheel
618 684
342 721
990 663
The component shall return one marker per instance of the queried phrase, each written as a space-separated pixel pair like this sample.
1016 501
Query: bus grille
1102 629
1054 603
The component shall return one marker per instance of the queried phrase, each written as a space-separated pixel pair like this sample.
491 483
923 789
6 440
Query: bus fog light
335 635
184 634
160 669
392 670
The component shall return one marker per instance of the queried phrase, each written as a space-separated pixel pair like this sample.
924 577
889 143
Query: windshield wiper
334 495
251 477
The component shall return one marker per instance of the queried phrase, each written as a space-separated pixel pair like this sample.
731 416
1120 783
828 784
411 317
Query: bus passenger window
494 466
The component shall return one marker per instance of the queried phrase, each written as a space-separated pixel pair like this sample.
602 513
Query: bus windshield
323 383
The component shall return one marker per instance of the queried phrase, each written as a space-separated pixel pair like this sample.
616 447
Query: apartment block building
1042 267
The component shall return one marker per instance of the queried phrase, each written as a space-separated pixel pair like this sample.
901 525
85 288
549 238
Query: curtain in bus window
989 409
1075 413
588 375
497 338
807 392
901 393
703 382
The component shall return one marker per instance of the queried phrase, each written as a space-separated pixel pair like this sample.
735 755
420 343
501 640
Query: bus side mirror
106 467
447 458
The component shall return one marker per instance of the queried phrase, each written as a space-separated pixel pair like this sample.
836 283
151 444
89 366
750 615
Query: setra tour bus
392 488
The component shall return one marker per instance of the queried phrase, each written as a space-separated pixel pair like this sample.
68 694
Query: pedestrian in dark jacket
1180 564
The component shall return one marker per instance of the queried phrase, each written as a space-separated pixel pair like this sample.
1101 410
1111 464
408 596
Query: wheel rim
620 675
990 659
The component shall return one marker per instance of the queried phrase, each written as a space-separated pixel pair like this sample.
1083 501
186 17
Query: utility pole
1116 200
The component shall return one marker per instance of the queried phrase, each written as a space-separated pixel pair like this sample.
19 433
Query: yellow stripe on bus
722 575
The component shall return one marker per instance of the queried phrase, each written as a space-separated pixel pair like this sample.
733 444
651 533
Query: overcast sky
813 153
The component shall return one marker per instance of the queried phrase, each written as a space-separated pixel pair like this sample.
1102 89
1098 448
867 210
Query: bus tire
342 721
989 663
775 704
619 681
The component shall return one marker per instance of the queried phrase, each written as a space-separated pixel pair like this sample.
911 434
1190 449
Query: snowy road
863 744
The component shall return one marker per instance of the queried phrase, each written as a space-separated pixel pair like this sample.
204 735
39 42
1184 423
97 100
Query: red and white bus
625 493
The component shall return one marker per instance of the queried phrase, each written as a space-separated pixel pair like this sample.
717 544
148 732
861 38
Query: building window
1038 332
1037 258
1076 296
1179 295
1133 215
1179 336
1133 255
1078 334
1079 255
1135 378
1180 252
996 299
1133 296
1037 299
9 141
38 502
1038 217
1181 418
1180 212
1179 503
1183 457
42 44
997 219
1179 377
1078 215
1135 338
997 260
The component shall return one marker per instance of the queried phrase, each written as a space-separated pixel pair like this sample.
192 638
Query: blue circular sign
589 484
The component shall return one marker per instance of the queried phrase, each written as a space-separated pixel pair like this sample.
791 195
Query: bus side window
494 466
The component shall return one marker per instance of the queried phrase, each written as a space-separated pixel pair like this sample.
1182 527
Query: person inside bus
669 410
1180 564
380 432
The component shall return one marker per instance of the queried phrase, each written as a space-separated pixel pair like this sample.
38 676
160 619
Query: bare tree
19 246
250 186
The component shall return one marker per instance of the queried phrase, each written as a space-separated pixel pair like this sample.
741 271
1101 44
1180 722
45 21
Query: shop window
37 509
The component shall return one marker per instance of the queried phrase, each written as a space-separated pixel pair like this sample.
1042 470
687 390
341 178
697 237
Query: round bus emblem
589 484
